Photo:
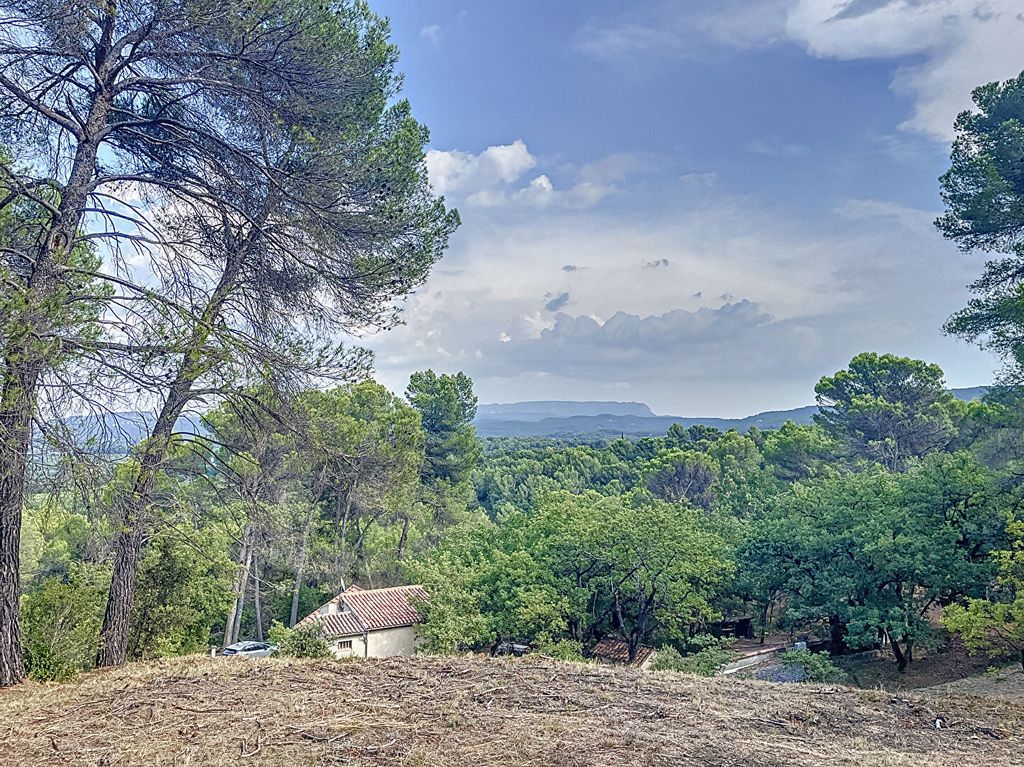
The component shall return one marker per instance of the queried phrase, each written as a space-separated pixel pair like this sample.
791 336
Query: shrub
668 659
301 642
563 649
61 624
704 662
817 666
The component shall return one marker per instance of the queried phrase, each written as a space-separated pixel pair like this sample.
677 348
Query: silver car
250 649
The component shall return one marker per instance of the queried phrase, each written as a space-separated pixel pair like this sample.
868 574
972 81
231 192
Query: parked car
250 649
510 648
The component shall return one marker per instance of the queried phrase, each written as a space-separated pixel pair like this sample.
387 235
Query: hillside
613 419
117 433
446 712
537 410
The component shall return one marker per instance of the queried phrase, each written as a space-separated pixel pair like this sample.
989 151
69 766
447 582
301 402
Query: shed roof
617 651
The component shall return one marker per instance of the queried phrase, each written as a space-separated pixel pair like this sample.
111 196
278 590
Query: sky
701 205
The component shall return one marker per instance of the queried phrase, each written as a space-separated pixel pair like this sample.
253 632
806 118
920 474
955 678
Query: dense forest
899 501
198 199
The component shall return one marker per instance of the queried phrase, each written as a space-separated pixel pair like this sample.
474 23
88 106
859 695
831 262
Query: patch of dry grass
471 711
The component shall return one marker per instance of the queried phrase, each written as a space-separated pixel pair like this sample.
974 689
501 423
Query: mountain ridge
117 432
634 424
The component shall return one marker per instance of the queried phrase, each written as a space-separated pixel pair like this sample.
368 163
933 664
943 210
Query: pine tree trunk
256 596
404 539
236 628
837 635
299 570
342 515
120 598
901 658
15 437
238 589
133 521
136 506
24 363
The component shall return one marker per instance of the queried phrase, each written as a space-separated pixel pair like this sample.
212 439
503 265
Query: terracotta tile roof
617 651
364 610
338 624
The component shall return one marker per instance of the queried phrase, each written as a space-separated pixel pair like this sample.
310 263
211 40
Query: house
616 651
370 623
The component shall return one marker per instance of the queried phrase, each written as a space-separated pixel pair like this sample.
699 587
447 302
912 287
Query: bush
60 623
817 666
563 649
704 662
301 642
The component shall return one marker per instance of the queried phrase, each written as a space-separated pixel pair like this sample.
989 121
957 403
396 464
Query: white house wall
385 643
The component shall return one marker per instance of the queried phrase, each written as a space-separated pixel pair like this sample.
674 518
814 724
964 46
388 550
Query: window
345 644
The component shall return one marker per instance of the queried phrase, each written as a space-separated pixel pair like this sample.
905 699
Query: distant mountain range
555 418
116 433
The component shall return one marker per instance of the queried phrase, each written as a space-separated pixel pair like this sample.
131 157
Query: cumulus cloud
748 294
494 178
628 349
456 171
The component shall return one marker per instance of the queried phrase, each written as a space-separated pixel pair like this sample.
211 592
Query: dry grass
441 712
1006 683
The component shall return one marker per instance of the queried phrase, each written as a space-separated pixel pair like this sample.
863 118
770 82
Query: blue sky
705 206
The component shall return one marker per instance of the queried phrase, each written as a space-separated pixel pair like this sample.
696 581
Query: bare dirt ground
470 711
945 664
1005 683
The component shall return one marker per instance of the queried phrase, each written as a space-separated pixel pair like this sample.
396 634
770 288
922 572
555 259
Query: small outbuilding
616 651
370 623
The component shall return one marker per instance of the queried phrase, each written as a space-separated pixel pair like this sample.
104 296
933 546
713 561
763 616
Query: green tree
984 195
336 223
816 666
453 619
995 623
887 409
799 451
680 476
306 641
577 567
183 593
867 555
448 406
29 358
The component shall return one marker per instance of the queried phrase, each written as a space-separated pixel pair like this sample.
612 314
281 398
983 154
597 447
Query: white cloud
540 191
611 41
431 33
945 47
778 149
493 178
959 44
706 180
456 171
746 293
